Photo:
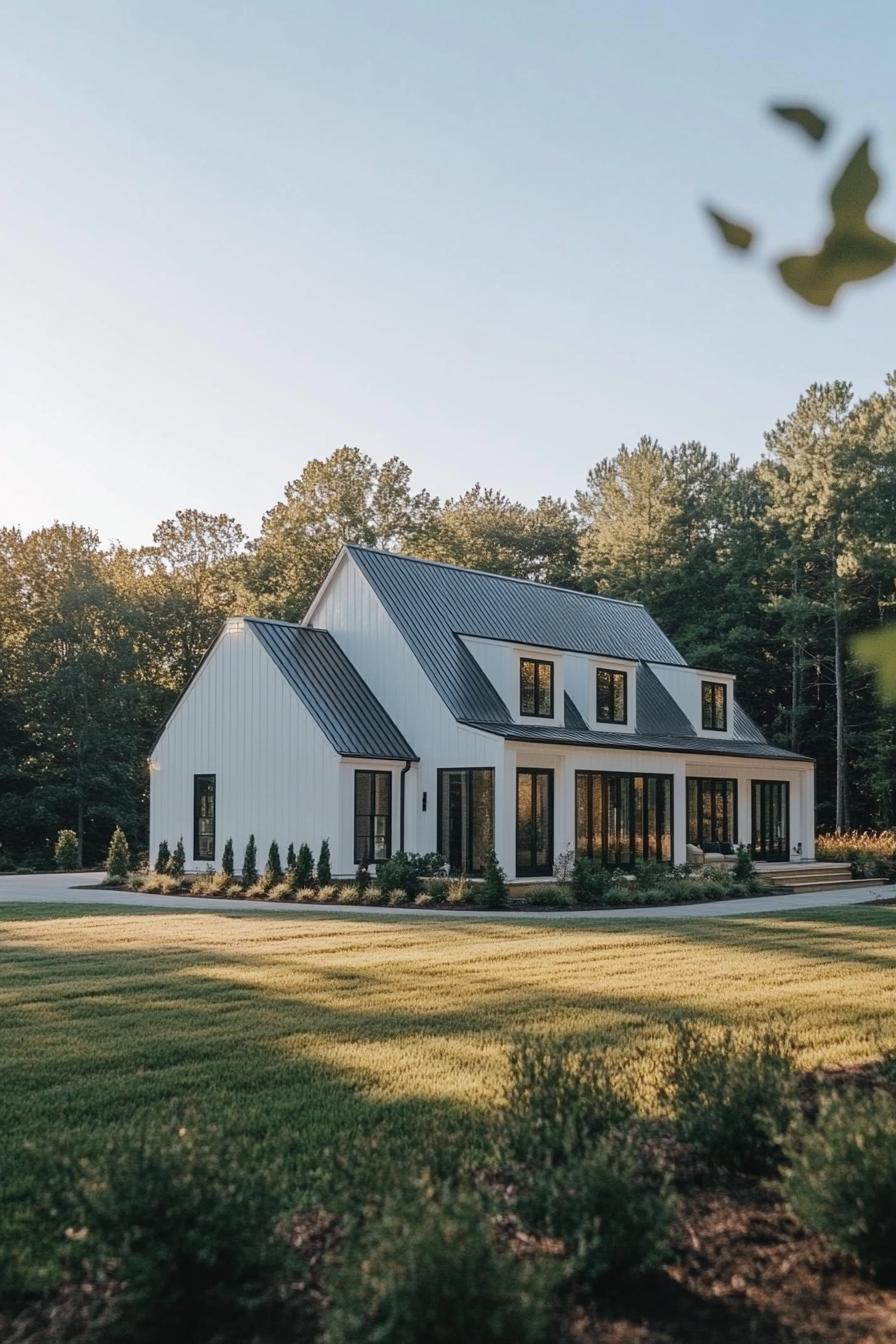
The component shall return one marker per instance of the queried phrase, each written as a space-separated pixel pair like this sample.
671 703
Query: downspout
405 769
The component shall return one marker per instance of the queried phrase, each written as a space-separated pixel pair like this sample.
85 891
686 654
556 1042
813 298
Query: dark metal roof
693 745
432 604
338 699
656 711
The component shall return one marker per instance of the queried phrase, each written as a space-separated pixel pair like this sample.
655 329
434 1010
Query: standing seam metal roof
336 696
432 604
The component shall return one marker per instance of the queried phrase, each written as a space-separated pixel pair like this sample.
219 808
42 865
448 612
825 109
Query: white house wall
276 774
353 613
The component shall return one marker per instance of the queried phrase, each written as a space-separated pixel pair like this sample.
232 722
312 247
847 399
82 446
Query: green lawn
324 1030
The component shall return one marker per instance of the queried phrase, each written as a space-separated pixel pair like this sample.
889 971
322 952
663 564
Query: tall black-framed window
466 818
623 819
714 700
612 696
771 819
373 816
712 811
534 823
204 817
536 688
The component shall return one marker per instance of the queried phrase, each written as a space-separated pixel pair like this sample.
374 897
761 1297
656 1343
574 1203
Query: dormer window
612 696
536 688
714 699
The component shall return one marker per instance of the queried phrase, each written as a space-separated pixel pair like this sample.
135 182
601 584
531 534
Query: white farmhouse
430 708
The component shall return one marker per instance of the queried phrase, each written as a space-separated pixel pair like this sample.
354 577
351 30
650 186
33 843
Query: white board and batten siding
276 774
352 612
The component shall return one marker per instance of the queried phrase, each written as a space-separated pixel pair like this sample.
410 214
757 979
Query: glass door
466 821
534 823
771 820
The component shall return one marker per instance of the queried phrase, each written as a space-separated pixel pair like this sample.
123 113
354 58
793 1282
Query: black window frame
536 664
441 838
371 815
535 869
199 781
759 826
696 786
710 711
614 674
616 781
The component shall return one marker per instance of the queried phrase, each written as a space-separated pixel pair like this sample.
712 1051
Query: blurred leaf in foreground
809 121
735 235
877 648
852 250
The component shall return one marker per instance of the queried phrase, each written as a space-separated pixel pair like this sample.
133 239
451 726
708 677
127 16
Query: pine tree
362 879
227 859
273 870
163 858
118 859
303 873
178 861
66 851
250 864
291 857
324 875
493 893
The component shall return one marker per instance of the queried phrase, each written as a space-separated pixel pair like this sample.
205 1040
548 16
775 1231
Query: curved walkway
58 889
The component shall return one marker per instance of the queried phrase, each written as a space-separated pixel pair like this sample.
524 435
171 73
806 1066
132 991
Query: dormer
706 698
540 686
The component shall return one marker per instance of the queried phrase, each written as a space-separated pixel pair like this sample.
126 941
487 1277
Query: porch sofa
713 853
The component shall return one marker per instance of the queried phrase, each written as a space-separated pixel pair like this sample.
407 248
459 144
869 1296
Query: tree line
767 571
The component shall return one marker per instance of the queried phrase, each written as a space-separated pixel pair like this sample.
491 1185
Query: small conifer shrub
163 858
290 857
303 873
493 893
324 873
178 861
273 869
66 850
250 864
227 859
118 859
362 879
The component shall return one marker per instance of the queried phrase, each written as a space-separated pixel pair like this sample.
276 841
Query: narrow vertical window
204 817
466 818
373 816
536 688
612 696
714 699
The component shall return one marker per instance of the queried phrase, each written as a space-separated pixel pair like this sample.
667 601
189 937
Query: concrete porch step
829 884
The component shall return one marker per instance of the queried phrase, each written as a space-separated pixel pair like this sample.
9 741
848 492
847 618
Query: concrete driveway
56 888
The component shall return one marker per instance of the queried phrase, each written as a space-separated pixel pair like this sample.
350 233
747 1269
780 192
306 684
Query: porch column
679 812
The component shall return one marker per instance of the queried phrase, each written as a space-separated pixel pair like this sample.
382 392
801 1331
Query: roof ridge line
489 573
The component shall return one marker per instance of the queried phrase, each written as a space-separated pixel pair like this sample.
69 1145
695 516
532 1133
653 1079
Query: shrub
590 881
427 1271
189 1231
563 867
733 1098
273 869
303 873
398 896
257 892
551 898
250 864
160 884
400 873
304 893
744 869
560 1100
437 888
651 875
324 871
857 845
372 895
613 1206
460 891
163 857
227 859
492 892
211 884
349 895
280 891
65 851
290 857
362 878
325 895
118 858
178 861
842 1178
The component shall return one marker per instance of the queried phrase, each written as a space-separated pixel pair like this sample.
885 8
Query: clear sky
238 235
